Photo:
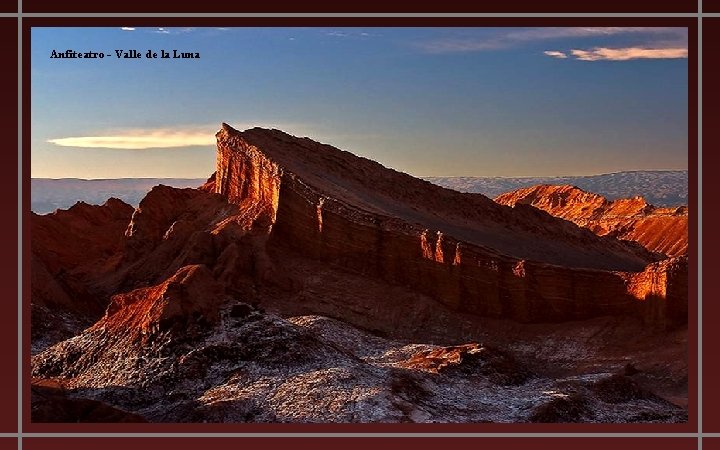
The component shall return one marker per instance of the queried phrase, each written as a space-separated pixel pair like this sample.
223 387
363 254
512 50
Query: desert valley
302 283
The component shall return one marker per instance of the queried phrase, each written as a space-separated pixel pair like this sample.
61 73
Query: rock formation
663 230
504 262
71 252
214 297
72 249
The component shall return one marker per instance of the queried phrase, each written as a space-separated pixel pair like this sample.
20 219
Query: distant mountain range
658 187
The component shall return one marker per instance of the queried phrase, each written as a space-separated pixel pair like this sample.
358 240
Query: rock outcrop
663 230
142 320
663 287
73 250
278 203
463 250
213 299
291 176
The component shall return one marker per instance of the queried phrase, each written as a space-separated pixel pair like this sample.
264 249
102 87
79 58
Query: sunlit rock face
662 230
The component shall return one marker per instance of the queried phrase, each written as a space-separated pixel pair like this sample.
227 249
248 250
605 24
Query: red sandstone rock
663 230
182 307
663 288
278 198
72 250
460 249
302 228
190 295
470 360
274 171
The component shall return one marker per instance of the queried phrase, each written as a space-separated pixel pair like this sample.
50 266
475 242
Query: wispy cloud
335 33
501 39
350 33
555 54
167 137
139 139
163 30
627 54
127 29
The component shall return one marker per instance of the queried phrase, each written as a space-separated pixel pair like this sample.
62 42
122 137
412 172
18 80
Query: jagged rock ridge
252 166
665 188
663 230
461 249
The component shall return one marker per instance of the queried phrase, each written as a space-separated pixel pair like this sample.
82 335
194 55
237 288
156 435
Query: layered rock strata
461 249
663 230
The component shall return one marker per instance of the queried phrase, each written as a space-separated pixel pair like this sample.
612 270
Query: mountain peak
259 166
226 128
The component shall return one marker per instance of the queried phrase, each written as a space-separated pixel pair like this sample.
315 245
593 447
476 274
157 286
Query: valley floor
258 367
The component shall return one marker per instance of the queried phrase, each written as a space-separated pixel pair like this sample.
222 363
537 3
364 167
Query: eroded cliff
461 249
663 230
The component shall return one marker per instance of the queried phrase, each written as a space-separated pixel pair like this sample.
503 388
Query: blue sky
427 101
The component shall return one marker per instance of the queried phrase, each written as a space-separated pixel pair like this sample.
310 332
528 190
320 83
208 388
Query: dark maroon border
692 224
356 21
375 443
514 6
711 192
8 443
8 236
691 426
711 443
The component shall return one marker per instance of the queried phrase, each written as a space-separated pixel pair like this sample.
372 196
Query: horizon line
417 176
554 176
